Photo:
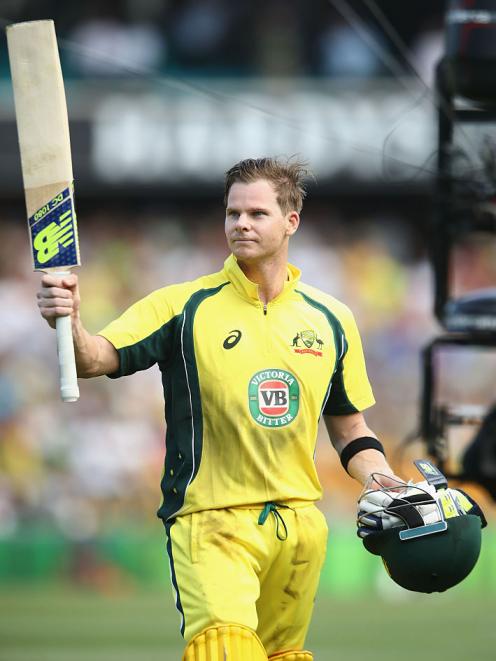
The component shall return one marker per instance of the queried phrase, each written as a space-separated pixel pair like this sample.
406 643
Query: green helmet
429 536
430 562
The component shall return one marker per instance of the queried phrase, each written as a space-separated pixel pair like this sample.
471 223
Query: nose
242 222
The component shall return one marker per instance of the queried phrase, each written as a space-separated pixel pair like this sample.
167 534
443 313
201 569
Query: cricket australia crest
311 343
273 397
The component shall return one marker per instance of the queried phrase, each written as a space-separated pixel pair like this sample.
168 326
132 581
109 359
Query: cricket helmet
431 540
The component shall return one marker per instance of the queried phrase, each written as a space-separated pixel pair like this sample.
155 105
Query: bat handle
69 390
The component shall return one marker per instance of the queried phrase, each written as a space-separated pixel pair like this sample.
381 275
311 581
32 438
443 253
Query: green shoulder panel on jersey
340 402
184 437
335 324
145 333
334 306
155 348
349 389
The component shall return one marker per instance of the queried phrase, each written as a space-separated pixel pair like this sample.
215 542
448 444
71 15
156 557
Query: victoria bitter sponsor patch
274 397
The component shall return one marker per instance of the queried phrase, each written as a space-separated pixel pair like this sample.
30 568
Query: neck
269 276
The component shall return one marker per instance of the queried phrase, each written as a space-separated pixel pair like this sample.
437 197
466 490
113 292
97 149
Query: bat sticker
53 230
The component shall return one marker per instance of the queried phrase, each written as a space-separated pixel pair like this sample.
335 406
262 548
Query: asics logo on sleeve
232 339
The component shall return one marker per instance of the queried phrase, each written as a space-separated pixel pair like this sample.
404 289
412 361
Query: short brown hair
287 178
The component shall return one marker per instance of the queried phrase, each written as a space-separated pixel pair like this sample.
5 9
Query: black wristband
356 446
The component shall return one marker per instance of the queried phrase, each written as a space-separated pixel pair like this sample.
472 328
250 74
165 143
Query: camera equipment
465 206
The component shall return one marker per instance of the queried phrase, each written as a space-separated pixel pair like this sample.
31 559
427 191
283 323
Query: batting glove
416 505
381 509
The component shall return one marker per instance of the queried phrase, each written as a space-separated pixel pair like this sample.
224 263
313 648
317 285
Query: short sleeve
350 390
142 335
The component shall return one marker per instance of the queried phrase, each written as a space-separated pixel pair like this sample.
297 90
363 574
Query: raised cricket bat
44 142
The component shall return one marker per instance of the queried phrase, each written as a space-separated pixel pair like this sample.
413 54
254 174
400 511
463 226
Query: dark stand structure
466 91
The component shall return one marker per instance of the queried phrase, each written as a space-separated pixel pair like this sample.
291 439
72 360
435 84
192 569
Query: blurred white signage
368 133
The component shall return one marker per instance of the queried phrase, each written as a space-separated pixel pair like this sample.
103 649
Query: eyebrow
250 210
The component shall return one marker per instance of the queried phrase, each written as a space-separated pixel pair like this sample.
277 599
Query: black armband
356 446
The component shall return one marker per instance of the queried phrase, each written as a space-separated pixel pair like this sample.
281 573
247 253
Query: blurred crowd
327 38
81 468
78 467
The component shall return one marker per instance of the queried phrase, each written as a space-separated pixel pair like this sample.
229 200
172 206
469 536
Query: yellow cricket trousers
229 566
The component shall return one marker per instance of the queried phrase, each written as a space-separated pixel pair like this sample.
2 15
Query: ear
293 221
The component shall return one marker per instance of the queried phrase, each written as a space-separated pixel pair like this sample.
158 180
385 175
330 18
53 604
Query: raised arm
351 436
59 297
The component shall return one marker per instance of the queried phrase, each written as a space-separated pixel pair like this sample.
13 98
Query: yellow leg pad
292 656
226 642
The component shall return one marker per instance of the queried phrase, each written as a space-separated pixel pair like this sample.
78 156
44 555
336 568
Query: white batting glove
416 505
381 509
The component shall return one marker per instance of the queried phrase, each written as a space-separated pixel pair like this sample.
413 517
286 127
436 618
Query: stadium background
163 96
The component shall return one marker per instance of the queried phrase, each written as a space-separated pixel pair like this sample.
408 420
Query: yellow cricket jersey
244 385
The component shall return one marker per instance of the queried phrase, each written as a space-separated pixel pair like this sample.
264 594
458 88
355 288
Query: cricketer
251 358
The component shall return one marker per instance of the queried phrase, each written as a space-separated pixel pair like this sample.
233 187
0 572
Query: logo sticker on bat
53 231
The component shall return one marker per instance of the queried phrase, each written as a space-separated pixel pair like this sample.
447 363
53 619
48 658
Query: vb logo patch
273 397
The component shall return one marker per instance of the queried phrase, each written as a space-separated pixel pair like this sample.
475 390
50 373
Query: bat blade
44 143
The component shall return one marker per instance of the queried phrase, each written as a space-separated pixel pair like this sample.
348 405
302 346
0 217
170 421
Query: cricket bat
44 143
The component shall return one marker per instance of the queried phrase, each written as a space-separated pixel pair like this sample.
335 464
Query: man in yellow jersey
250 359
